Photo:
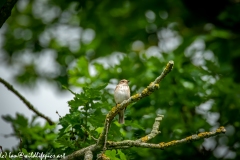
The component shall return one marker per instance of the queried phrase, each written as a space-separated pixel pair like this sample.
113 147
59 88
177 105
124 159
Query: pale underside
123 93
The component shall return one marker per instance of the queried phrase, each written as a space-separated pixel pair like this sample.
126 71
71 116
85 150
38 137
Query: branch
163 145
102 156
142 141
155 130
81 152
102 140
146 92
88 155
5 10
28 104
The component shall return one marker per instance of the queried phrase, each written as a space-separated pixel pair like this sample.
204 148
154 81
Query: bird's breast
123 93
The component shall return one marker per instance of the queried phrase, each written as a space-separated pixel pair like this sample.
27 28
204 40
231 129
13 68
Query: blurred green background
93 42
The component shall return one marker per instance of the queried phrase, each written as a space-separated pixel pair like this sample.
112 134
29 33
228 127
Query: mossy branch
155 130
163 145
88 155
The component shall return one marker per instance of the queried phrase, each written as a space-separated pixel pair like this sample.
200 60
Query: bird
121 93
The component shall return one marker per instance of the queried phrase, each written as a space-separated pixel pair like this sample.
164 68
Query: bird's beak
128 81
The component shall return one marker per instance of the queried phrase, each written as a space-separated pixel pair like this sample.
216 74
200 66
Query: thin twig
58 114
27 103
88 133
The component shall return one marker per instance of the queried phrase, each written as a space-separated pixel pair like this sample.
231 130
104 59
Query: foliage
32 136
83 120
134 40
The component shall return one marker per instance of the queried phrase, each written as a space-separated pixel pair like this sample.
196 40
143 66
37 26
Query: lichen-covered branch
155 130
83 152
146 92
142 141
167 69
88 155
28 104
102 156
163 145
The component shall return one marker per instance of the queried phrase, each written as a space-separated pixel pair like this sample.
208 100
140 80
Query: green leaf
112 154
121 154
99 130
24 151
65 141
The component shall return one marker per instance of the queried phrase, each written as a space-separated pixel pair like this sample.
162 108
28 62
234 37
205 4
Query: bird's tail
121 117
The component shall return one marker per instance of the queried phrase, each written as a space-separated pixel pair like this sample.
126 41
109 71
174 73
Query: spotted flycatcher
121 93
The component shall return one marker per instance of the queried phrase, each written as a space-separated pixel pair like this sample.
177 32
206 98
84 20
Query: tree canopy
94 44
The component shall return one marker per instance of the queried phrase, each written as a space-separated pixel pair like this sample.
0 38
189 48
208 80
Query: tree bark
6 7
